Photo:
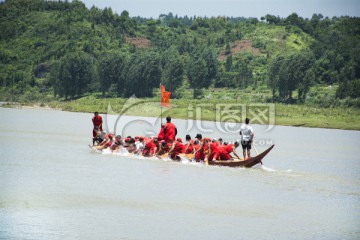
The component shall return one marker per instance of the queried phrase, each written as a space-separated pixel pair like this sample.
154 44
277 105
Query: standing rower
247 136
97 125
170 130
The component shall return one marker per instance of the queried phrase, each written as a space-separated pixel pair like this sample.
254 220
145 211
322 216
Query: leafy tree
291 72
73 74
197 74
244 76
111 66
142 74
271 19
209 54
228 64
173 69
350 89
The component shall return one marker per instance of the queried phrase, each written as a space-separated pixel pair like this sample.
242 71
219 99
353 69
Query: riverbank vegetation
221 105
61 54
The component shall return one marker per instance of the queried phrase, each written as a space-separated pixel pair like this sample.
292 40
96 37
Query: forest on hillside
63 50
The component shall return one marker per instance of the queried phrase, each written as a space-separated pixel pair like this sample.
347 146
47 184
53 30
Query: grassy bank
291 115
224 105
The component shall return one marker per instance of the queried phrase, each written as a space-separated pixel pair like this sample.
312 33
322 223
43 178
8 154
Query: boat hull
243 163
229 163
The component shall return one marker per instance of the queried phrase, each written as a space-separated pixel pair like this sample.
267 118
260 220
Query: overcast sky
235 8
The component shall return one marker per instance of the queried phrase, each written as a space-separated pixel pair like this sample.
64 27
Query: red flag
165 96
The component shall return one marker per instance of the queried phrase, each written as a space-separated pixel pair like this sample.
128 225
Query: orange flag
165 96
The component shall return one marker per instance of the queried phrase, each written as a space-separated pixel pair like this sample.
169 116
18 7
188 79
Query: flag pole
160 106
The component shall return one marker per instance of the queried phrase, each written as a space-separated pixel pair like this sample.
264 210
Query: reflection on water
53 187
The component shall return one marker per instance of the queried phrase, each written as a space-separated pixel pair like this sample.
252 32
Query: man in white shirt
247 135
139 145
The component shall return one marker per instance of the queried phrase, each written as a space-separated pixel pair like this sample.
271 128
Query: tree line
65 48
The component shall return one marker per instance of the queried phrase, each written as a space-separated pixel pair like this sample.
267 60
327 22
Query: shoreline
312 122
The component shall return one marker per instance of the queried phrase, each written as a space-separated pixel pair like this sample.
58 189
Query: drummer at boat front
247 136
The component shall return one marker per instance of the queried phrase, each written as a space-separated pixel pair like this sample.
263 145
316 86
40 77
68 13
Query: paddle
190 156
257 153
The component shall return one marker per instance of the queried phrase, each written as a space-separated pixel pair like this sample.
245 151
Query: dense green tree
173 69
291 72
209 54
111 67
228 63
73 74
142 74
244 74
197 74
349 89
271 19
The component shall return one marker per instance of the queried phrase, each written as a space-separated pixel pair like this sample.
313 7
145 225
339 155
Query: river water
53 187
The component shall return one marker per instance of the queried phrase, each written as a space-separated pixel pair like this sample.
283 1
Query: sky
230 8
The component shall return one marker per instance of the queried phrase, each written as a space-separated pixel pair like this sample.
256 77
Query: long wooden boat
229 163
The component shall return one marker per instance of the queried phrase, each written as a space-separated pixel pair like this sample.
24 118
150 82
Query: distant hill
63 50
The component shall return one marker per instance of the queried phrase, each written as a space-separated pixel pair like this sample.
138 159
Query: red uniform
178 148
165 147
188 147
200 155
107 140
225 152
214 151
115 144
170 132
161 135
97 122
149 148
229 148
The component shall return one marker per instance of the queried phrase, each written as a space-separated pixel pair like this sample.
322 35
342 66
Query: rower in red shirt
151 147
188 147
107 142
230 148
161 134
175 150
170 130
214 150
164 147
97 125
201 153
197 153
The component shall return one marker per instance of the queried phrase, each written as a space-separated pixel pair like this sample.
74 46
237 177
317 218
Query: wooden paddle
164 156
257 153
190 156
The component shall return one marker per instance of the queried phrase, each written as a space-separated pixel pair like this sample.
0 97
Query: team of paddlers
166 143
